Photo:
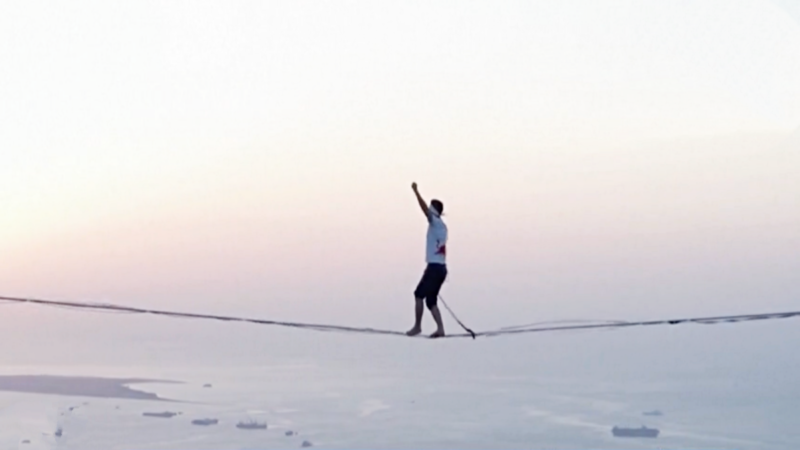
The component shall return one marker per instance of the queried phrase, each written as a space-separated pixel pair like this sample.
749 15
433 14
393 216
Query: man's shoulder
437 223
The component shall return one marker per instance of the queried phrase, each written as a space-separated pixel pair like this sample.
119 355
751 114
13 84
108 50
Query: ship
165 414
251 425
59 432
205 422
642 432
653 413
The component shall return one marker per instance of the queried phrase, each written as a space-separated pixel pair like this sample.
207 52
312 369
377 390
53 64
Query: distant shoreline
80 386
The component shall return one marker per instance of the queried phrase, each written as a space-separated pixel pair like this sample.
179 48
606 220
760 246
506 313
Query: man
436 270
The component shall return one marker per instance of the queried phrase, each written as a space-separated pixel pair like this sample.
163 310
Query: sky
613 158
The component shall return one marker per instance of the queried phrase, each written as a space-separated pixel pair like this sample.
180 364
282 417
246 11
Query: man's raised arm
422 203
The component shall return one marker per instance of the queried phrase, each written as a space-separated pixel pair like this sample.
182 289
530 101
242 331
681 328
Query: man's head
437 206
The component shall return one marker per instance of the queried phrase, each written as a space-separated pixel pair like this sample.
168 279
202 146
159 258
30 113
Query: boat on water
251 425
653 413
165 414
59 432
205 422
642 432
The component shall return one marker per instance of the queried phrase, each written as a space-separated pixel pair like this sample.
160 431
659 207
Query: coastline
81 386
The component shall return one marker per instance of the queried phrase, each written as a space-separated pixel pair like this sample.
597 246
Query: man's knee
430 302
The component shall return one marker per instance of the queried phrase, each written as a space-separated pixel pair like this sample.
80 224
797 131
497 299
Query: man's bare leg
419 309
437 316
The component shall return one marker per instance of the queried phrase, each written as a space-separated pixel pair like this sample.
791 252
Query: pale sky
608 158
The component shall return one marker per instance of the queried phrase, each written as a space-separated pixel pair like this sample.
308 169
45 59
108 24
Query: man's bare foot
414 331
437 334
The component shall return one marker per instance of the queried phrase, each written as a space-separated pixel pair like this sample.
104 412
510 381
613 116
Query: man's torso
436 250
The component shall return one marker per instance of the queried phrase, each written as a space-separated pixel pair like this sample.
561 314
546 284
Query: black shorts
430 284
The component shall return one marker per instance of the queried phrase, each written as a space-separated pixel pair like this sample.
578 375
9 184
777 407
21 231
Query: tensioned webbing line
531 328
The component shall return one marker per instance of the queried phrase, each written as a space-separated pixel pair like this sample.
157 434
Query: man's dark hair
438 206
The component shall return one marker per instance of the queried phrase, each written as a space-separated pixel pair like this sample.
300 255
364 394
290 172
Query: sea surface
727 386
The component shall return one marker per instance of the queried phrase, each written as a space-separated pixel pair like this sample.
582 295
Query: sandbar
79 386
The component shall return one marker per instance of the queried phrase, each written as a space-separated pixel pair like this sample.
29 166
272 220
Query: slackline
530 328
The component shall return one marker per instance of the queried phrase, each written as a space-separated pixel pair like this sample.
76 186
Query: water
722 386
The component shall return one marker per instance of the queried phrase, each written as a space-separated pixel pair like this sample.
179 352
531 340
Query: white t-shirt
436 251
